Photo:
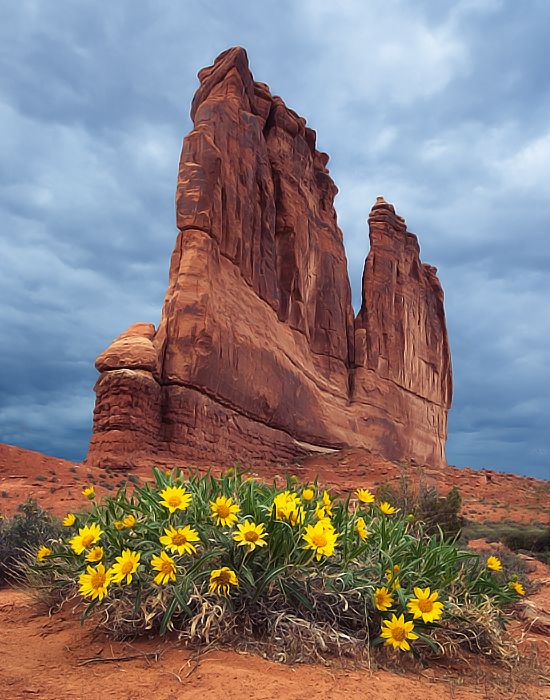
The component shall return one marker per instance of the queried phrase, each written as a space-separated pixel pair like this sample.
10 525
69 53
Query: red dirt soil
51 657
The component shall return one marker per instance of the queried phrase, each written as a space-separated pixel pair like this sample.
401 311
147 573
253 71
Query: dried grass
329 633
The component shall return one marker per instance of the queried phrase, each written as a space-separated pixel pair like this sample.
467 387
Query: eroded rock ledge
258 353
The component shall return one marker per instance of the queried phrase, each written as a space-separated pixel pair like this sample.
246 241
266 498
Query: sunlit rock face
258 356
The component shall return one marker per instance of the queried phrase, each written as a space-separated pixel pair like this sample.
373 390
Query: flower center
426 606
97 580
87 540
398 633
222 579
178 539
127 567
174 501
167 567
223 511
251 536
320 540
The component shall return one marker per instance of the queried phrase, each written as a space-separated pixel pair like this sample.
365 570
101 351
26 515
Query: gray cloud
443 108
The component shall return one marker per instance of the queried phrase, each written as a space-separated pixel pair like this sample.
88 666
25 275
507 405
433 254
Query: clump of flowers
183 551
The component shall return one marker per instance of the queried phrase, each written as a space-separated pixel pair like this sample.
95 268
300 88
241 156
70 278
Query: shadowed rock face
258 357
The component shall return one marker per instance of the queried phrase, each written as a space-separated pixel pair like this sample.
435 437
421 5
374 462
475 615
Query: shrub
296 572
30 528
526 539
426 504
529 539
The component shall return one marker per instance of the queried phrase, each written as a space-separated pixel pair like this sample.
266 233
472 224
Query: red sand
53 657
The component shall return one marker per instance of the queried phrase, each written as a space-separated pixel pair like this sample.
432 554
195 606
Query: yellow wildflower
365 496
69 520
221 579
175 498
285 503
362 529
89 492
95 554
42 553
386 508
397 631
383 598
129 521
119 525
125 566
425 605
87 536
297 516
308 494
321 538
517 587
224 511
321 515
494 564
390 574
180 540
327 504
166 566
250 534
95 582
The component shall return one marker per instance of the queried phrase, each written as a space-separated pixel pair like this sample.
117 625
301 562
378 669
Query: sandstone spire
257 351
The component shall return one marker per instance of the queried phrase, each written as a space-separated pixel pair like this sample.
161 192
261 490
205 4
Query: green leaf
287 588
180 597
271 576
90 607
429 641
168 615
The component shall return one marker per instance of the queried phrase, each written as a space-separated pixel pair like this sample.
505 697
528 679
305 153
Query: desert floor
48 655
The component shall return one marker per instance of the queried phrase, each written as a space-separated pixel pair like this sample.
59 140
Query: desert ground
48 655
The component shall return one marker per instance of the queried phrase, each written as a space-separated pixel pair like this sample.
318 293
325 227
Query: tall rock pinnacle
258 356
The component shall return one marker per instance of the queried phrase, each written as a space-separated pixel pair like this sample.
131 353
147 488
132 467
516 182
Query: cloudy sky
441 106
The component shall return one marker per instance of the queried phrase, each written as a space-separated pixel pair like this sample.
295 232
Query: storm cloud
442 108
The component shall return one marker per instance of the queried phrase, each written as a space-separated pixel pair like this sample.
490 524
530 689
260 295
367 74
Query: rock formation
258 357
